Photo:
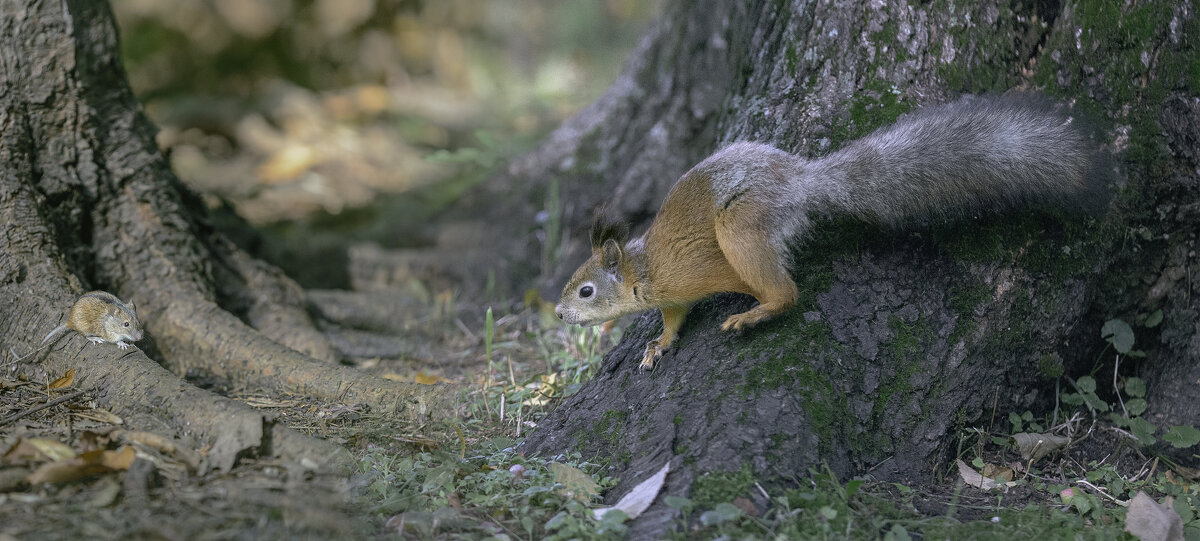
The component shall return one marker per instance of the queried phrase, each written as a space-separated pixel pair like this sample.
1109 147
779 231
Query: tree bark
901 338
89 202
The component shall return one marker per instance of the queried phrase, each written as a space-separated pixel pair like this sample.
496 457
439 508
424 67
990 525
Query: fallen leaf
992 471
65 381
22 450
429 379
118 460
640 498
746 506
286 164
976 479
575 483
1149 521
1035 446
52 449
85 465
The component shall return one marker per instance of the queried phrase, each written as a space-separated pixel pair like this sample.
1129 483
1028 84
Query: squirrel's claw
653 352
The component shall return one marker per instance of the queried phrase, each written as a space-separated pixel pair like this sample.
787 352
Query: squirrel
100 317
726 224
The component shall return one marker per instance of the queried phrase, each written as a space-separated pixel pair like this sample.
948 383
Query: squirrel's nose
558 312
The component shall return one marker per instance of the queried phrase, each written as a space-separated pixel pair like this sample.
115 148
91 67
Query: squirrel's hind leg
753 254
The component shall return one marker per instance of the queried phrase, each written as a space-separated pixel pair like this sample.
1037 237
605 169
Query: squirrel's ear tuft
611 256
606 227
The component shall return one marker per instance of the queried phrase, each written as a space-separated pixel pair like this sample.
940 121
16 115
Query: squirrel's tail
972 155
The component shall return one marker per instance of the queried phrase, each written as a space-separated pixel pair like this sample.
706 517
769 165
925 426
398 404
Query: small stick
36 409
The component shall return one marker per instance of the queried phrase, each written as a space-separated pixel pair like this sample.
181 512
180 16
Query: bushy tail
971 155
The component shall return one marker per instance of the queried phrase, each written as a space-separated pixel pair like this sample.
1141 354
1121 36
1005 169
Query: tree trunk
89 202
901 338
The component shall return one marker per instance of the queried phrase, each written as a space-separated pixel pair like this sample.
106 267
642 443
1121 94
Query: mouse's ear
132 308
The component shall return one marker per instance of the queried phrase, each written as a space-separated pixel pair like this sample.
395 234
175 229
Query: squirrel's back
970 155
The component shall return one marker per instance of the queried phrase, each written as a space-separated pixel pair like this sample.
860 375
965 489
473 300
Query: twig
36 409
1100 491
1116 367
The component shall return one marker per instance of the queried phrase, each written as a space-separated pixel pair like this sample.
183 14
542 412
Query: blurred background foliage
284 78
359 119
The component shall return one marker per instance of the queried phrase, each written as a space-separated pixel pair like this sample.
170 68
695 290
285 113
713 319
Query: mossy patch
877 104
908 343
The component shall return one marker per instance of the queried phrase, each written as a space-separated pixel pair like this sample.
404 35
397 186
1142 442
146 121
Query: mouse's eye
586 291
126 323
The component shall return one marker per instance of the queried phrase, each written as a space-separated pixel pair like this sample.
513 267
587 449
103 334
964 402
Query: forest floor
68 471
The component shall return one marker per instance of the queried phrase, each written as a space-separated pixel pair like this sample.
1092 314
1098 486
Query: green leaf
1095 402
557 521
1072 399
722 513
1136 407
1135 387
897 533
978 463
1015 420
677 502
1119 334
1154 319
1182 436
828 512
1184 509
1086 384
1143 429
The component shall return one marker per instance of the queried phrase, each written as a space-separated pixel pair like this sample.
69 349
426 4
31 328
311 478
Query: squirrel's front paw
123 345
653 352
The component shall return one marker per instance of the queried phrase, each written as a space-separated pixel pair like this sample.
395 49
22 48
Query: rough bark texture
900 338
89 202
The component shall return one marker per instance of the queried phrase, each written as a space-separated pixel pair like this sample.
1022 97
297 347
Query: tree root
196 335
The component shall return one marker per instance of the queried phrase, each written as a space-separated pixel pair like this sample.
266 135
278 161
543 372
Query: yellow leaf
52 449
429 379
287 164
575 483
119 459
65 381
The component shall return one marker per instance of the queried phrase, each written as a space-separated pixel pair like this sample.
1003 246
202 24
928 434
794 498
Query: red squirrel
727 223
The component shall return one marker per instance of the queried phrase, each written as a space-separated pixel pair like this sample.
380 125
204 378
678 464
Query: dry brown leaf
22 450
992 471
1035 446
65 381
85 465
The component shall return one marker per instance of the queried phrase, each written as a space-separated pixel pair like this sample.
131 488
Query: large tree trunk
89 202
901 338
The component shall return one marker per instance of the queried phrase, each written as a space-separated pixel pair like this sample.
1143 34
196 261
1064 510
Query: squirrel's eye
586 291
126 323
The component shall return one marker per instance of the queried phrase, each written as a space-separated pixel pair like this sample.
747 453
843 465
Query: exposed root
196 335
